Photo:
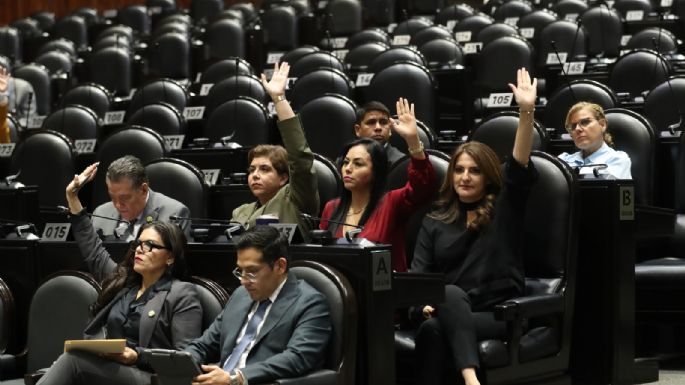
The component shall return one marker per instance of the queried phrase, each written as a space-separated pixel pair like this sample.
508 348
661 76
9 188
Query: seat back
166 175
123 32
45 159
418 86
59 311
512 9
328 180
111 67
344 17
15 127
136 17
360 56
499 61
204 10
411 26
91 95
425 135
233 88
160 90
396 55
328 123
140 142
473 24
280 26
296 54
213 298
431 33
634 134
319 82
224 69
455 11
655 38
61 45
494 31
638 71
536 21
74 121
39 77
56 62
161 117
313 61
7 317
225 39
243 120
442 52
570 9
498 131
341 354
11 43
604 29
369 35
169 56
567 95
74 28
568 37
663 104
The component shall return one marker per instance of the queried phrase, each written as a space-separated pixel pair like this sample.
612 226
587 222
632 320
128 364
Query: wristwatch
279 98
234 379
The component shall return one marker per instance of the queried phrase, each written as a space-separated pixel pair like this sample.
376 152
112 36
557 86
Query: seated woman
587 125
363 201
143 300
474 238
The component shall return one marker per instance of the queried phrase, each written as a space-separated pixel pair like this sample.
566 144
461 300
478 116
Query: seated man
15 97
273 326
373 121
282 179
133 201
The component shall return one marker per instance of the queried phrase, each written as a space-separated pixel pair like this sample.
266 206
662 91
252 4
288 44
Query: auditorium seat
202 11
498 131
343 17
369 35
224 69
281 28
74 28
395 55
328 178
58 63
563 37
61 45
411 26
296 54
124 32
233 88
604 30
314 61
91 95
136 17
441 53
75 121
319 82
242 120
566 96
455 11
59 311
161 117
7 318
112 67
663 105
213 298
225 38
494 31
328 123
360 56
473 24
431 33
638 71
169 56
11 44
654 38
512 9
39 77
570 9
179 180
538 342
160 90
536 20
45 159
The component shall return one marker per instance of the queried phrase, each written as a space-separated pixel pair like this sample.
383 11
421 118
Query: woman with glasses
588 128
143 300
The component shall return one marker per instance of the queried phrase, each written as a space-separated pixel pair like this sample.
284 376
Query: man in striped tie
273 326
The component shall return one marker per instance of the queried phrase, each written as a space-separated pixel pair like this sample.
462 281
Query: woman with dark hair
587 125
143 300
363 200
473 237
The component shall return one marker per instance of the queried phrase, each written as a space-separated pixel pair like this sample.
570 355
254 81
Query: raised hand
524 91
405 124
276 86
79 180
4 80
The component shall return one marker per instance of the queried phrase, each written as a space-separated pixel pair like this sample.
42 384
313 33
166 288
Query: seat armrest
529 307
319 377
32 378
11 366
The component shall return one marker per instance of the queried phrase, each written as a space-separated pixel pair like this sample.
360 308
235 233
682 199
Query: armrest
529 306
11 366
319 377
32 378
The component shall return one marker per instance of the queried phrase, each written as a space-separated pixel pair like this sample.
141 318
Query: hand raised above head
525 90
405 124
84 177
4 80
279 79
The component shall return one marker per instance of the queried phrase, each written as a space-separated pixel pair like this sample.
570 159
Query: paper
95 346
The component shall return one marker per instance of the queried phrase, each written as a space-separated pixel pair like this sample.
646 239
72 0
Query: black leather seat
59 311
91 95
318 82
160 90
74 28
498 62
512 9
442 52
473 24
112 67
56 62
179 180
328 123
136 17
570 9
45 159
328 178
536 21
396 55
169 56
566 96
123 32
426 135
295 54
74 121
456 12
213 298
638 71
39 77
233 88
314 61
654 38
224 69
118 41
202 11
499 131
369 35
360 56
411 26
344 17
494 31
225 38
8 316
663 104
62 45
431 33
11 43
280 25
625 6
242 120
161 117
604 30
568 37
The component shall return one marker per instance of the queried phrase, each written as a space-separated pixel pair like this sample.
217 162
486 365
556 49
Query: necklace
350 213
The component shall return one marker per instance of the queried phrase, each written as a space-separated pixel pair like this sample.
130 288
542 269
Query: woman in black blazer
143 300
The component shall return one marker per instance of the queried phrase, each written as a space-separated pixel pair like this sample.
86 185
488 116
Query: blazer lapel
279 308
95 329
241 309
151 211
149 317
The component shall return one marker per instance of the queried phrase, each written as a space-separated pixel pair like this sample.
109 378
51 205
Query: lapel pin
151 313
149 219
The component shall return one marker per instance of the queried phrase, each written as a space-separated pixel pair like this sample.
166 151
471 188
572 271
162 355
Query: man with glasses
273 326
587 125
282 179
133 202
373 121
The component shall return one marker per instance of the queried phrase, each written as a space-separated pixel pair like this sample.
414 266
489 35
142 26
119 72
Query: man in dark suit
133 202
373 121
273 326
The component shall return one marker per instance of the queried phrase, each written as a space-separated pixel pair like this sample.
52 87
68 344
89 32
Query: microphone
203 229
119 231
11 181
677 126
596 167
553 44
349 235
28 107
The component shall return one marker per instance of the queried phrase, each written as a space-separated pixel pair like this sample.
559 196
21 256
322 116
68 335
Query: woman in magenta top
363 200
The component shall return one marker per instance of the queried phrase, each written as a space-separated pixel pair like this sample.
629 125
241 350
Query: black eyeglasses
583 123
147 246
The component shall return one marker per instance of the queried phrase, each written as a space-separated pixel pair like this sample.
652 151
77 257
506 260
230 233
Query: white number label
610 3
174 142
198 77
288 229
451 24
636 15
391 27
363 79
273 57
553 58
36 121
154 10
401 39
114 117
528 33
500 99
462 36
623 52
204 89
625 39
271 107
289 84
84 146
666 3
211 175
193 113
6 149
340 53
511 21
574 67
471 48
571 17
110 13
338 42
322 4
56 231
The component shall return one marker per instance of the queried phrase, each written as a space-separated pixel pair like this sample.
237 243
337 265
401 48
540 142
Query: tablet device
173 367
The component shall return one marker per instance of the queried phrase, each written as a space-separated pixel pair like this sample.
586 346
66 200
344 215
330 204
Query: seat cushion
493 354
538 343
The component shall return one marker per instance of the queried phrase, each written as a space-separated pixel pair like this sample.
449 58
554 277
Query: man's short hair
269 240
127 167
371 106
5 63
277 155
